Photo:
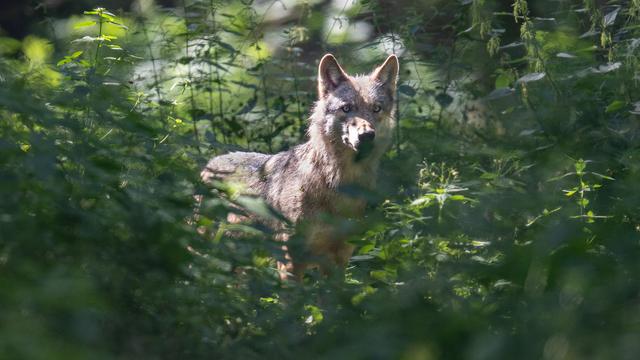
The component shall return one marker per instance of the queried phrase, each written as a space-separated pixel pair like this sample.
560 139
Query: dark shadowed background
506 223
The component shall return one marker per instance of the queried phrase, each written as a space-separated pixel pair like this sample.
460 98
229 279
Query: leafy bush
507 224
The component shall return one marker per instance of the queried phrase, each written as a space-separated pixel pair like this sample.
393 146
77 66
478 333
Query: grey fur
304 182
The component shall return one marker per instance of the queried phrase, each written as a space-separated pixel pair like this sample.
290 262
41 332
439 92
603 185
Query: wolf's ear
387 73
330 75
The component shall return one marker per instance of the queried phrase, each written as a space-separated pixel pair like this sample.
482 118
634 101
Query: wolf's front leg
290 270
330 251
336 258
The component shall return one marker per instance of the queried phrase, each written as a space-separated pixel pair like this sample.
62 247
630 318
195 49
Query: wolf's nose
367 136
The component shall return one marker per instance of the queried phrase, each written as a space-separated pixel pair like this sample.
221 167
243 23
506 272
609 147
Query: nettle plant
100 19
440 184
587 182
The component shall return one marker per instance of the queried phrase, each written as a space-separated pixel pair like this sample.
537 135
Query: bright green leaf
84 24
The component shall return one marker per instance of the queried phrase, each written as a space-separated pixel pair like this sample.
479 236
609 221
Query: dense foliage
506 223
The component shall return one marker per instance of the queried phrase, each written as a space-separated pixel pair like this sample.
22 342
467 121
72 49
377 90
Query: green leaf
386 276
615 106
87 39
602 176
226 46
25 147
503 80
105 15
444 99
315 316
65 60
610 18
366 249
580 165
119 25
407 90
84 24
532 77
9 45
251 103
185 60
366 291
565 55
357 258
459 198
421 201
68 59
500 93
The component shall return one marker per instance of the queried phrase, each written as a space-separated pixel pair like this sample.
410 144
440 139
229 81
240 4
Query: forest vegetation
505 224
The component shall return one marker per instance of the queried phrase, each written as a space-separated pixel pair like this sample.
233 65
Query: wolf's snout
367 136
364 145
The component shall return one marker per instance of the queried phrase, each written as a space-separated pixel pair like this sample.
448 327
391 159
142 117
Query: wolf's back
243 167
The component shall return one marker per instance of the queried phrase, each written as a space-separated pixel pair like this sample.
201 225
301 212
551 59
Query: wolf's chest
345 202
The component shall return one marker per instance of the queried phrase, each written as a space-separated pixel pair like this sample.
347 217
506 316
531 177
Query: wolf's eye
377 108
346 108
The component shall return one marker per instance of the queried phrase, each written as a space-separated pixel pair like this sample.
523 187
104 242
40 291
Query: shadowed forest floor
505 224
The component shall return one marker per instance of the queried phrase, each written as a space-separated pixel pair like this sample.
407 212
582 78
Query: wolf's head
354 114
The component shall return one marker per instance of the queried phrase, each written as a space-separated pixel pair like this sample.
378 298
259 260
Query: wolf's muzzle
367 136
365 144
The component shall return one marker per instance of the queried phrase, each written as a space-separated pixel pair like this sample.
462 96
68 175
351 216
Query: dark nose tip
367 136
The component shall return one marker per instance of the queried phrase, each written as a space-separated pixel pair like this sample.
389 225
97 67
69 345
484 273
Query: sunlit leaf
500 93
84 24
531 77
602 176
607 67
36 49
87 39
615 106
565 55
610 18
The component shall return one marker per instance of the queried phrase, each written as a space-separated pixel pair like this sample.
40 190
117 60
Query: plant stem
99 45
156 80
263 75
220 103
191 97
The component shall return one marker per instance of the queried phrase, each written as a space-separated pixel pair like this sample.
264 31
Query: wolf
350 128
